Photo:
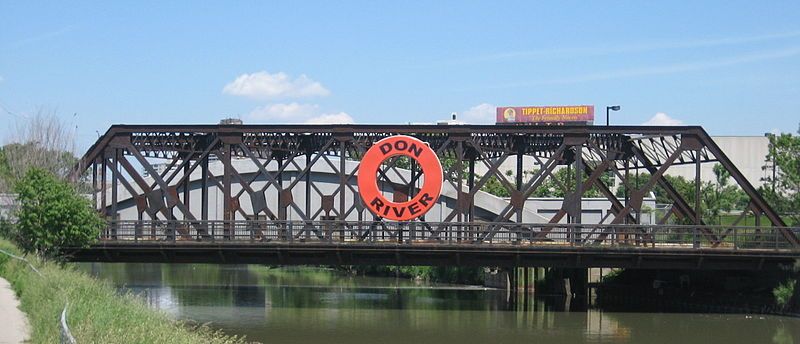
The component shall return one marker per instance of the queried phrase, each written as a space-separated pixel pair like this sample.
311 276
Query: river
314 305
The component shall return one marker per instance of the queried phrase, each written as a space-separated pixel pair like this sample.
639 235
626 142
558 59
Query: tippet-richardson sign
545 114
368 181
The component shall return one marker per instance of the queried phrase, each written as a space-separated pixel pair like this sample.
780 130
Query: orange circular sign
368 181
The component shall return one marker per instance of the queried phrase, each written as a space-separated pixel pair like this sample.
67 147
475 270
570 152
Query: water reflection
316 305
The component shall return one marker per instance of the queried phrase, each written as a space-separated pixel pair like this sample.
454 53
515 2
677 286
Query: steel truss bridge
340 230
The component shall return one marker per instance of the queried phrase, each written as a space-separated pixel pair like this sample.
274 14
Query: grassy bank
96 313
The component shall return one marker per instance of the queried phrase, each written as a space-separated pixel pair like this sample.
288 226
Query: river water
312 305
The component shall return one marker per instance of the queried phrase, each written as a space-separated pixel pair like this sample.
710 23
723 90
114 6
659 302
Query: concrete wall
594 209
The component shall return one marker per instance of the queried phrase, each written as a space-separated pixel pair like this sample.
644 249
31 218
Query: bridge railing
531 234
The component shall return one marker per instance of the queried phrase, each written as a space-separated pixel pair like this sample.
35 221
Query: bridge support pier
572 282
526 278
497 278
513 286
512 279
519 282
579 282
526 287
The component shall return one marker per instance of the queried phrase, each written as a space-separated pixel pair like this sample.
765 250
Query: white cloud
331 118
296 113
281 111
481 113
263 85
661 118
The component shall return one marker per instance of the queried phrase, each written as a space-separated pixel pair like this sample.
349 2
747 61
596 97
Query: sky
731 66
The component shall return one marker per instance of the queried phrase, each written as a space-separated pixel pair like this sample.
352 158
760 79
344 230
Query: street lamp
608 108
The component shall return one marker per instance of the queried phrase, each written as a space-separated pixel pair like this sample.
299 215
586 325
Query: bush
51 215
6 228
783 292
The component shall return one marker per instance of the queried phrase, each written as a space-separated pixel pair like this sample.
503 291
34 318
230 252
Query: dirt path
14 325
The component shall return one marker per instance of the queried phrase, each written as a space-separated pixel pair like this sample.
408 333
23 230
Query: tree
683 186
636 181
558 184
716 197
51 215
495 187
42 141
783 191
563 181
720 196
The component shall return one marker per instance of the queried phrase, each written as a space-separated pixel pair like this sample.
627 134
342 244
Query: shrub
783 292
51 215
6 228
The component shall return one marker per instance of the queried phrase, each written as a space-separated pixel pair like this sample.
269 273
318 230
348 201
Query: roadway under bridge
287 194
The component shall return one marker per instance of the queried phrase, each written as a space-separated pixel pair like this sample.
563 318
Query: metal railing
531 234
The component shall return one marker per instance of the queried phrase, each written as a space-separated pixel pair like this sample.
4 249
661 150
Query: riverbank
96 312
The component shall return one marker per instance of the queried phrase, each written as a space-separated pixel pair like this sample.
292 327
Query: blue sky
731 66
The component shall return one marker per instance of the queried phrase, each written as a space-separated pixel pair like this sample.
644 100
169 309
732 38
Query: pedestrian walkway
13 324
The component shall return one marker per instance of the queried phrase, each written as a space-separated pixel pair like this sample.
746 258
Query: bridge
155 183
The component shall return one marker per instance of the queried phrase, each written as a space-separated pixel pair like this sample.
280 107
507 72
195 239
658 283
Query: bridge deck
461 244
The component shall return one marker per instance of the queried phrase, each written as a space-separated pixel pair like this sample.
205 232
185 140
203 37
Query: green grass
96 313
750 220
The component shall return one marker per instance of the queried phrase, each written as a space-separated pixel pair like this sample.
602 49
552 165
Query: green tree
636 181
716 198
495 187
51 215
720 196
783 191
563 181
556 185
683 187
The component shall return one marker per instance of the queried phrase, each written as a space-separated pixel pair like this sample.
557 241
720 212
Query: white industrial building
748 154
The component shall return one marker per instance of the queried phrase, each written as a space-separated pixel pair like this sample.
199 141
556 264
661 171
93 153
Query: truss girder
589 151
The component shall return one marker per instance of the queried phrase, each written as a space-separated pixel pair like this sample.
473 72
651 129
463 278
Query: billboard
546 114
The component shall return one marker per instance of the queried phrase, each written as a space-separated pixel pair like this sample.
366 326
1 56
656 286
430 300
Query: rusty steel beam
589 150
376 130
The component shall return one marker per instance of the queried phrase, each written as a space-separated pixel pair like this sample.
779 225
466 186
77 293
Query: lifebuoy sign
389 147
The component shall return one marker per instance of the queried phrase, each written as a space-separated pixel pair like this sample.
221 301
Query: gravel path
13 324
